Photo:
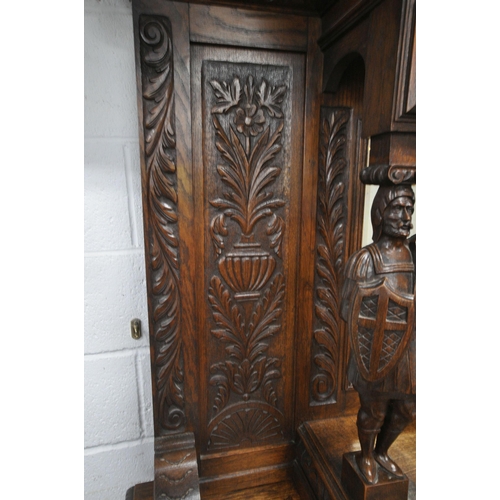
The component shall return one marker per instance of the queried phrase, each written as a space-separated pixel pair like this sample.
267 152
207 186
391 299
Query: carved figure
378 303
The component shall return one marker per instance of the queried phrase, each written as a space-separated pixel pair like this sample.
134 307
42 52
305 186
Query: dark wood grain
160 200
255 120
326 441
176 467
284 490
248 259
302 7
406 98
248 28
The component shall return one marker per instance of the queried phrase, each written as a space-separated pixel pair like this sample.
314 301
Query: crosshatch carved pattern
162 222
330 244
247 226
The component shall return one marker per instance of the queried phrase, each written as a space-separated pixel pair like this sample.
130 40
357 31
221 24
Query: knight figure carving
378 304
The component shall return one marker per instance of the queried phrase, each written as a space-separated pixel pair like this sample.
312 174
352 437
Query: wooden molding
342 17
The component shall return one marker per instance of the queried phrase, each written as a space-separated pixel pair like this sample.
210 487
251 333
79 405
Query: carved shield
380 324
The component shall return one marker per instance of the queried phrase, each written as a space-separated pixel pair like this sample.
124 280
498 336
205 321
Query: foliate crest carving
247 229
161 197
331 230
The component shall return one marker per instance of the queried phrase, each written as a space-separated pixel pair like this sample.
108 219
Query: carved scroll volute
160 198
246 292
330 245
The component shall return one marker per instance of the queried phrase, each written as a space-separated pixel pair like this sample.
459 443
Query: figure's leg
370 419
401 413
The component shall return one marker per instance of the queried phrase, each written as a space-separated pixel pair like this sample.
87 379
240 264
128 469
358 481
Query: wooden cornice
312 8
341 16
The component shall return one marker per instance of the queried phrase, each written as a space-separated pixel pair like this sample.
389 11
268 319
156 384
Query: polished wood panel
284 490
238 461
249 250
248 28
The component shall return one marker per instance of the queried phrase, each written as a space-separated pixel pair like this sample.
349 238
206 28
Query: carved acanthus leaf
228 95
330 253
247 367
160 155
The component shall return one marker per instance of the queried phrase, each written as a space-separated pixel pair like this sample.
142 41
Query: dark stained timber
331 231
162 226
246 293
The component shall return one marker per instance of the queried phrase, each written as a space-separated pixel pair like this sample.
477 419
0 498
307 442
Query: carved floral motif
247 170
330 251
161 196
247 298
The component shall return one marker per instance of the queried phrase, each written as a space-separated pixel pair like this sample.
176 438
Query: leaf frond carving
330 252
228 96
160 159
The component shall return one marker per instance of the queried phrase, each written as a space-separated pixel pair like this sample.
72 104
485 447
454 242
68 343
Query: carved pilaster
330 245
160 198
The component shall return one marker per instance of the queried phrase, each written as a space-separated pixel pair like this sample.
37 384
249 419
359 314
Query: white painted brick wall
118 409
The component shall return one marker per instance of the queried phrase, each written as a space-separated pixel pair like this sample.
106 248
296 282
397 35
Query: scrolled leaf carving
161 195
247 368
330 252
388 174
247 170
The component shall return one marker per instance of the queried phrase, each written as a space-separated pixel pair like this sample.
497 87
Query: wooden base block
322 444
388 487
276 491
176 467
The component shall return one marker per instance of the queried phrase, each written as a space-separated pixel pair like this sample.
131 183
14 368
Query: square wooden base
388 487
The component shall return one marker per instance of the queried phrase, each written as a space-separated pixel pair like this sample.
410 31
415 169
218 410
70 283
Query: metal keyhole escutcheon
135 326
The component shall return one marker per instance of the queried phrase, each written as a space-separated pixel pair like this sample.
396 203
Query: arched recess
349 67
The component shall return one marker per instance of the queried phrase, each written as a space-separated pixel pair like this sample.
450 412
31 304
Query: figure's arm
359 267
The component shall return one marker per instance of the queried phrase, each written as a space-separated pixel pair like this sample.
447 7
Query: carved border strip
156 55
331 233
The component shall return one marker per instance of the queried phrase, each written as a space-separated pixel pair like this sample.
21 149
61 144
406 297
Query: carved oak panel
248 247
247 224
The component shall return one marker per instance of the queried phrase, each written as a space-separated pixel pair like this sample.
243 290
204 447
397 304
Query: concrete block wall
118 409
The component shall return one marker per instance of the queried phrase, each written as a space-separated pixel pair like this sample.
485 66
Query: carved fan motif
250 424
161 195
330 250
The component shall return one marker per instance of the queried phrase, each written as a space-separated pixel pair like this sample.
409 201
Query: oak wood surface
327 441
206 61
285 490
248 28
245 347
313 8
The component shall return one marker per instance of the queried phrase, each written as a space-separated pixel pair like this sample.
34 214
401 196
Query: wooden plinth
324 443
388 487
277 491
